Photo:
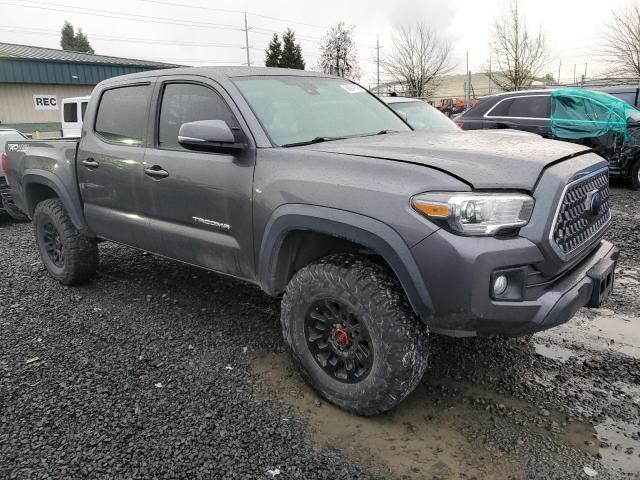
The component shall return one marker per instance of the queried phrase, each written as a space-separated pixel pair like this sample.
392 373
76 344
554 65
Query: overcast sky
208 32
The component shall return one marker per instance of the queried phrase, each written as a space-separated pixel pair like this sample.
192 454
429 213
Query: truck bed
53 159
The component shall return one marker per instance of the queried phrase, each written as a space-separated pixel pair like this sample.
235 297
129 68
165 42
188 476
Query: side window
83 110
629 97
122 114
70 114
185 102
531 107
502 108
538 106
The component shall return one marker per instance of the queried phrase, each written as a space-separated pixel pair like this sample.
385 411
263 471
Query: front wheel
352 331
70 257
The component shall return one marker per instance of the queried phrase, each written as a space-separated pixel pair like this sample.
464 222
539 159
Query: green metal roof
28 64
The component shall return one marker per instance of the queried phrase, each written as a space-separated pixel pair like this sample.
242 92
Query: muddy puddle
620 447
439 431
599 330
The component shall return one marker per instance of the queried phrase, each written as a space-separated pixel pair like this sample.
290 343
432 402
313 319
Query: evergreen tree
273 52
67 37
291 52
70 40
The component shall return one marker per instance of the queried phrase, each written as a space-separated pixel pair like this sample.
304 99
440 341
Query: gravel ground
159 370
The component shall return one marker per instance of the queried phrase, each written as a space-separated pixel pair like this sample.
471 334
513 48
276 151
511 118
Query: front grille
576 224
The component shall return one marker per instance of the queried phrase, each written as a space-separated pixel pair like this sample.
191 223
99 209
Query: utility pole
467 97
559 68
489 75
246 40
378 62
585 70
574 73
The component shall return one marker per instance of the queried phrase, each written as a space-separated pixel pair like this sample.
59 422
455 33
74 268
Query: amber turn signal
431 209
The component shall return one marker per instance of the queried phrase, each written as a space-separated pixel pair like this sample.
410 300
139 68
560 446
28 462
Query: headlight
476 213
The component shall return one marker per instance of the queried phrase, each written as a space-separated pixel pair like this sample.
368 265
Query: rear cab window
534 106
122 114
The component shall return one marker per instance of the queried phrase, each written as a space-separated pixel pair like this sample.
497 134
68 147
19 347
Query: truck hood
485 159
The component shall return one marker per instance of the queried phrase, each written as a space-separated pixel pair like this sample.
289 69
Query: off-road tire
80 252
635 175
13 211
374 295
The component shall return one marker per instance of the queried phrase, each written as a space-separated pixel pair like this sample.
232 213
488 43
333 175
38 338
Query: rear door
110 164
200 209
530 113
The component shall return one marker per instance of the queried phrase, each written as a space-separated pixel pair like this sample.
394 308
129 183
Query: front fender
357 228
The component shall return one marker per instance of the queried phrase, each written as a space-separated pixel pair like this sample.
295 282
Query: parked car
73 110
531 111
627 94
6 202
310 187
420 115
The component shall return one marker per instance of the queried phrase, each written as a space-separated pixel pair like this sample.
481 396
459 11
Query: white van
73 110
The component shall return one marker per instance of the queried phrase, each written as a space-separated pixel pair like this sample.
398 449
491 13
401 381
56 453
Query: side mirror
208 136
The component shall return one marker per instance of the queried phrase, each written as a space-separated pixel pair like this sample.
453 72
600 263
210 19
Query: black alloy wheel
53 244
338 341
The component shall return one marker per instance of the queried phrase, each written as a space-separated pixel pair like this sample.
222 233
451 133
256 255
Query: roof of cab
217 73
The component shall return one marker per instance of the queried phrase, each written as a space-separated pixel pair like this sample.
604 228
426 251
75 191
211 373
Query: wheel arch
348 231
44 185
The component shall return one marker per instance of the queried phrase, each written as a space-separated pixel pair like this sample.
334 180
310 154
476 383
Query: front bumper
458 279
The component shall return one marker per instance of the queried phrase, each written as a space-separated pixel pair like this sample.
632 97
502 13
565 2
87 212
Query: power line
56 33
132 17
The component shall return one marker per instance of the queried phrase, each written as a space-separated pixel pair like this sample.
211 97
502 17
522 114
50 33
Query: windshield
302 109
9 136
423 116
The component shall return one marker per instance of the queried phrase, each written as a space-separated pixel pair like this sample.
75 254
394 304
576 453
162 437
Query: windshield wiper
312 141
381 132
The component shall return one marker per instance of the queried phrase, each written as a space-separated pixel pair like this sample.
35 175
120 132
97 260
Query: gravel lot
158 370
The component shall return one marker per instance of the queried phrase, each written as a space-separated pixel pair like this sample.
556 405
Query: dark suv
531 111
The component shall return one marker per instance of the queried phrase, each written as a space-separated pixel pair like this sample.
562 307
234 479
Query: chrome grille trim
571 231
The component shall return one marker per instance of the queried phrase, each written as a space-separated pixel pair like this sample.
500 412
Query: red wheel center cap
341 337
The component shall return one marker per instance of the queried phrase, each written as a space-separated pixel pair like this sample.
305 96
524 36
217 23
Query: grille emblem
593 204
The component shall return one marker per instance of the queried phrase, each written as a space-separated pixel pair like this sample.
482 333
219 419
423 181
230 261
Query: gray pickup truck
312 188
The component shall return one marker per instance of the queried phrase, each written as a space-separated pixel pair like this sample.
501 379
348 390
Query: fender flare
369 232
48 179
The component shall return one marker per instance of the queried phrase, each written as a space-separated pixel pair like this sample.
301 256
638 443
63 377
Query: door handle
156 172
90 163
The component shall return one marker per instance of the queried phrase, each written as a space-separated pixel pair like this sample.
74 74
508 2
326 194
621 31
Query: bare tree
338 52
418 57
518 56
621 38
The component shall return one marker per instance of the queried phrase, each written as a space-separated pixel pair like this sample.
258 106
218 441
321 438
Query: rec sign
45 102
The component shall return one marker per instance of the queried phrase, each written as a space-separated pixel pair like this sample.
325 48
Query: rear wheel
13 211
352 331
635 175
70 257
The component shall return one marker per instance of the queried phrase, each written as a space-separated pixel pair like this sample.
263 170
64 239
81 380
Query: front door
200 209
110 165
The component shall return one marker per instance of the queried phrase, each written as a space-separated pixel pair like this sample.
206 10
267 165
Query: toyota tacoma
313 189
